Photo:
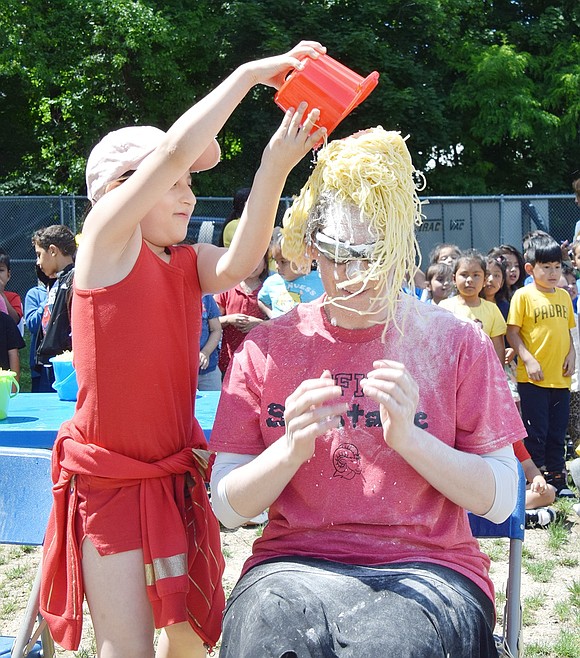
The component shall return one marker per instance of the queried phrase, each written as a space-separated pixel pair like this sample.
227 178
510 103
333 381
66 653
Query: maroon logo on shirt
346 461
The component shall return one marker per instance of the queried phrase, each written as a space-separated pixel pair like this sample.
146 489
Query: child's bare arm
533 368
498 344
14 362
266 310
570 360
222 269
215 333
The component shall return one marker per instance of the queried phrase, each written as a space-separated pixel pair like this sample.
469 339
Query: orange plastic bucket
328 85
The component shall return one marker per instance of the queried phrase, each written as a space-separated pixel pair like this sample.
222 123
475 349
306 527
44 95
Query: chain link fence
479 222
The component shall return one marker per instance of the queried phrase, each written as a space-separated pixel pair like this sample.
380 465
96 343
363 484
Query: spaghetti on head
361 194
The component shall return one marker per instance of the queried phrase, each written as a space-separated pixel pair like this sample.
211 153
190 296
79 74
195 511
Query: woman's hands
397 393
272 71
311 410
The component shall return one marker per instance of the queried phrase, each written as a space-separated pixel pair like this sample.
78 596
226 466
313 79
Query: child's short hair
436 270
4 259
470 255
532 235
57 234
438 248
543 249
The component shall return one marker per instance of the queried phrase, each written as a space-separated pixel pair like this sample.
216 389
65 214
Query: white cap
124 150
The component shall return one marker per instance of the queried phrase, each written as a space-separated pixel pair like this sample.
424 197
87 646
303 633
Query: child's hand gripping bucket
65 377
328 85
7 384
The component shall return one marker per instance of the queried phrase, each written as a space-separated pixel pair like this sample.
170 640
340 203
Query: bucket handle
57 385
15 383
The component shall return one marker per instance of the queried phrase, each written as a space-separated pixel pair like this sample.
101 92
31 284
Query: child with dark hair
444 252
10 342
240 312
540 322
515 266
469 277
34 303
496 288
55 248
10 299
438 283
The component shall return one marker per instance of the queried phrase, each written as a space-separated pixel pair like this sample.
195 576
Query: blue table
35 418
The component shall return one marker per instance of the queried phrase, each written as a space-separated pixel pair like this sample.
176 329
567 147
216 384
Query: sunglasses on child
341 252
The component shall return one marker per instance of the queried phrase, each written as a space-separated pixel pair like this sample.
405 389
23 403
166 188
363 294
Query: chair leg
513 605
27 635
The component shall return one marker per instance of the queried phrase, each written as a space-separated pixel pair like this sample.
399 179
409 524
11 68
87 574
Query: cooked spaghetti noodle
369 177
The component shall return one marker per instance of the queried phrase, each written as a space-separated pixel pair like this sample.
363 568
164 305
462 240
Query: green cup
7 382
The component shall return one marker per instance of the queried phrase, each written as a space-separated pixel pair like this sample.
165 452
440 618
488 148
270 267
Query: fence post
501 219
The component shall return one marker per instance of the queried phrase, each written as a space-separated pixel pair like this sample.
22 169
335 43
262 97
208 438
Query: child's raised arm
111 234
221 269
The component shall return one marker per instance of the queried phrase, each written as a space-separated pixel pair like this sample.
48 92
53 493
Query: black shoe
539 518
559 480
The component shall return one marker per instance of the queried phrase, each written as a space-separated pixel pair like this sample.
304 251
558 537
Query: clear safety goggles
341 252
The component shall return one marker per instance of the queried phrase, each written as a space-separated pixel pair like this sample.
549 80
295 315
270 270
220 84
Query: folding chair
25 502
513 528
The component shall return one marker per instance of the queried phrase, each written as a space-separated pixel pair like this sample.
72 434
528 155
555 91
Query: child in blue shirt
209 376
283 290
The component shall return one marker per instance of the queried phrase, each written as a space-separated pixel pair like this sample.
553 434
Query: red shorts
110 518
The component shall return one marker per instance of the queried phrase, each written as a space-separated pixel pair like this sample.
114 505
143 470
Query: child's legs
535 405
556 437
534 499
120 609
180 641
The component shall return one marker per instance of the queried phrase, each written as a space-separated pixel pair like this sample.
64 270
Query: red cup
328 85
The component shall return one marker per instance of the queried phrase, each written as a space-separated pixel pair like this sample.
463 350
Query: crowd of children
526 303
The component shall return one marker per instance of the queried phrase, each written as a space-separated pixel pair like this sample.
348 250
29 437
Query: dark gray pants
319 609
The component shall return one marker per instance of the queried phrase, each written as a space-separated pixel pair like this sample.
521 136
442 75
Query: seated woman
367 423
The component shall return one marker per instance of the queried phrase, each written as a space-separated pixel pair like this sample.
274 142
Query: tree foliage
488 91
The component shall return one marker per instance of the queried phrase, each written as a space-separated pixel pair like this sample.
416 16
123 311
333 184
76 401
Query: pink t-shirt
357 501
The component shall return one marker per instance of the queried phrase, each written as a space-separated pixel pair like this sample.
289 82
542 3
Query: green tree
86 68
487 91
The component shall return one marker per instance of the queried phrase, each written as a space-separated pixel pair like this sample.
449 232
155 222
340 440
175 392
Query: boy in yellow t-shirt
540 319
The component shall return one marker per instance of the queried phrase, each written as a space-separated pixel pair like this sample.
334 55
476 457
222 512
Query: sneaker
559 480
540 517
